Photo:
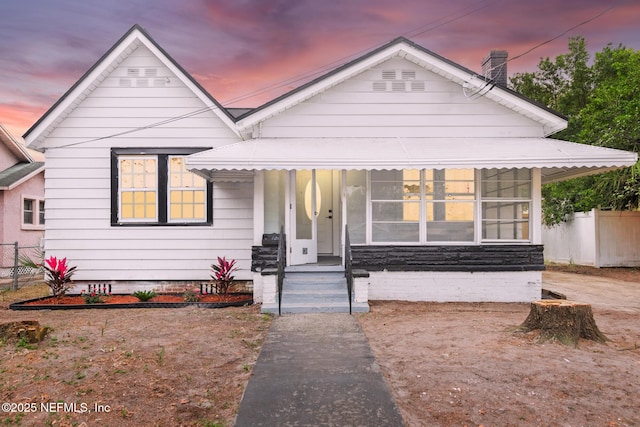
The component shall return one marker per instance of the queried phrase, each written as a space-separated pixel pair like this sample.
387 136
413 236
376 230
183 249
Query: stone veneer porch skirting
488 273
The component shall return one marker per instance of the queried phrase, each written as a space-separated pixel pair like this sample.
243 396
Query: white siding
354 109
78 184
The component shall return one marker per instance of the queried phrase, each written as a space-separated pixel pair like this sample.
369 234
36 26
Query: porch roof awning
558 159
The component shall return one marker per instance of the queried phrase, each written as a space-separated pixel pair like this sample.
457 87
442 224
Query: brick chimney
494 66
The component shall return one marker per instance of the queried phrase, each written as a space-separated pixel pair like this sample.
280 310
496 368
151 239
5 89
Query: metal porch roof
558 159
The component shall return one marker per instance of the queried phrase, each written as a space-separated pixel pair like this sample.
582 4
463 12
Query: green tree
603 108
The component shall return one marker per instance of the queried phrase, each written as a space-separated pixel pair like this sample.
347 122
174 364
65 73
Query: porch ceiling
558 159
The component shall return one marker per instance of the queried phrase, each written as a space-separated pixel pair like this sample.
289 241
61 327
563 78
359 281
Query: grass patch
27 292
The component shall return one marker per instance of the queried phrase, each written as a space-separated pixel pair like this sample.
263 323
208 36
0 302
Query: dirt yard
131 367
447 365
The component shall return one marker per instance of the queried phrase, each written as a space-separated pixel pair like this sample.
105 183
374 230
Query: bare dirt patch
457 364
142 367
447 364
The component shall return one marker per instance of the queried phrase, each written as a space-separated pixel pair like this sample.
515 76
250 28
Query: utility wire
528 51
478 93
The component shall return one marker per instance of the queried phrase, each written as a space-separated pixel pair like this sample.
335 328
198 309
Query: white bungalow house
435 170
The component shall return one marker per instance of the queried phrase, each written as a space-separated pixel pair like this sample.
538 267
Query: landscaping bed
68 302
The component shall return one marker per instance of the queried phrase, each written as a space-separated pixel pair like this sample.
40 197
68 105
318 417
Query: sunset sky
245 52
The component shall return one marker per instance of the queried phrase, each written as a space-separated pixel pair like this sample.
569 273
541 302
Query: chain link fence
13 274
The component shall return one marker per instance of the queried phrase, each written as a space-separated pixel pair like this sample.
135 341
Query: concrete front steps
315 289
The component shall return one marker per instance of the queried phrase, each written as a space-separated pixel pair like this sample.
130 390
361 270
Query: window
41 211
27 211
151 187
138 191
395 205
32 212
187 193
450 205
506 200
438 205
356 194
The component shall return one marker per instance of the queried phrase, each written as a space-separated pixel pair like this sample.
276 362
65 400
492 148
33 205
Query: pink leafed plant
58 275
223 275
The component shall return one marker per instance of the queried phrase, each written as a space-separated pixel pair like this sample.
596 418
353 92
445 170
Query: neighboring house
21 192
435 170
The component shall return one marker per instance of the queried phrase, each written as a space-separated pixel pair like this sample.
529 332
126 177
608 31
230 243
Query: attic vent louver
388 74
125 82
408 75
159 82
142 82
417 86
379 86
398 86
400 81
133 72
150 72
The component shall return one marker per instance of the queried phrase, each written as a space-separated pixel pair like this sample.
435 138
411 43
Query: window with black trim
153 187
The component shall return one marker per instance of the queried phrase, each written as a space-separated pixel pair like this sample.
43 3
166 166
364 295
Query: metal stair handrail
281 262
348 264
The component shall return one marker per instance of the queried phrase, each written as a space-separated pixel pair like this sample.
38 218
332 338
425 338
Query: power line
478 93
483 90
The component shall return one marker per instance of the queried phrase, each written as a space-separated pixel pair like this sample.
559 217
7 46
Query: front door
313 218
326 216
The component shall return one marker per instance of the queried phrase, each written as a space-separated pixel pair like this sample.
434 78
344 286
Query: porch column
258 207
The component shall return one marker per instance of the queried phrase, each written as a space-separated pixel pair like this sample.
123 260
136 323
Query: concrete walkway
601 292
317 370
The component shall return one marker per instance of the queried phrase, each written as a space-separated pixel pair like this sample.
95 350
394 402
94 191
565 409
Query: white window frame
169 188
534 209
530 201
36 225
134 190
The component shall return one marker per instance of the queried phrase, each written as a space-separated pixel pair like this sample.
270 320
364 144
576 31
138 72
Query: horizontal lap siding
78 188
354 109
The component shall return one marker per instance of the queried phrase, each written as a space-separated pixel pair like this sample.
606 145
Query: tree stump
566 321
29 330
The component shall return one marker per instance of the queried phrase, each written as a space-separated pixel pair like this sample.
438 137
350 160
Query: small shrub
191 295
144 295
93 297
222 275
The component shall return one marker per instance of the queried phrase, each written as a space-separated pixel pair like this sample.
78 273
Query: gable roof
551 121
18 149
17 174
26 166
99 71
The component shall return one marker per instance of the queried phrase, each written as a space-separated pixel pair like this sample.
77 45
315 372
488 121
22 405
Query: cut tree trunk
566 321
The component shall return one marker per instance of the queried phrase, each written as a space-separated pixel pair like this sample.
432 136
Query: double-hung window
395 205
506 203
32 213
450 205
153 187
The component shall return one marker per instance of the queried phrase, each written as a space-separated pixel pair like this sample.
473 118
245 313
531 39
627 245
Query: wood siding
440 109
78 182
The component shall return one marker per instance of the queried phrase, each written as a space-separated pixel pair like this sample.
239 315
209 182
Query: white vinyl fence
596 238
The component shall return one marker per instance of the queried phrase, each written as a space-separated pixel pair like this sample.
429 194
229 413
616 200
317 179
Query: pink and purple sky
245 52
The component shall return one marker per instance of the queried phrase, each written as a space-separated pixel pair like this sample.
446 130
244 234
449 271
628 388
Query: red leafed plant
58 275
222 275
